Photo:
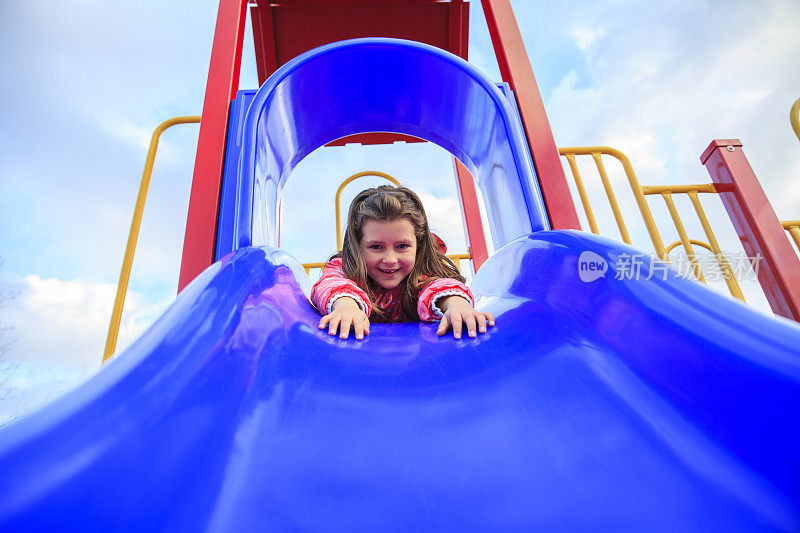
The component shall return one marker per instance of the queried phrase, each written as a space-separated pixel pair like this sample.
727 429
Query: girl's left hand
457 311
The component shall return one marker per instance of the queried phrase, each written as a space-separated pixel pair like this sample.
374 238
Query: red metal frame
515 67
756 224
284 29
472 215
223 82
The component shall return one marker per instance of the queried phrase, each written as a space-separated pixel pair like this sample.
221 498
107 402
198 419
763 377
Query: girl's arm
341 301
451 302
334 285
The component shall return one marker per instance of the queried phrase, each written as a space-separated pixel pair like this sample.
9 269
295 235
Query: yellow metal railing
339 196
127 262
793 227
640 192
596 152
319 266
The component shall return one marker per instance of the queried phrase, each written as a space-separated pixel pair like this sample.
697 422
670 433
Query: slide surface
592 405
596 403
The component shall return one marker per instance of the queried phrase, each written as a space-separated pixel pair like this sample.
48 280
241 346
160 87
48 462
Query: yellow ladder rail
337 201
339 196
133 236
633 181
666 192
794 117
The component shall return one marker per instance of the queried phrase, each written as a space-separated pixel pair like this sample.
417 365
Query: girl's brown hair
389 203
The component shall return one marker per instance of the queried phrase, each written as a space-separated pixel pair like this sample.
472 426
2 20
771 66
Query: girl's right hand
346 313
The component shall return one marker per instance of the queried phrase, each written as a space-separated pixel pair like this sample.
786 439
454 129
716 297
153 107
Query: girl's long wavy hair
389 203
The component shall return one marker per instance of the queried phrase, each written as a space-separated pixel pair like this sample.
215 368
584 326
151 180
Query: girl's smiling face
389 249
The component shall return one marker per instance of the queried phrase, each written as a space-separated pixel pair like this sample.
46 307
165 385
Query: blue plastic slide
602 402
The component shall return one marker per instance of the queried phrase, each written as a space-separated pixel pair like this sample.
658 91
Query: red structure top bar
284 30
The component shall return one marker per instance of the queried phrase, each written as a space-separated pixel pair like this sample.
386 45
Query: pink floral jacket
334 284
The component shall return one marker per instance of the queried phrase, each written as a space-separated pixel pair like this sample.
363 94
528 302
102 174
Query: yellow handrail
794 117
687 246
127 262
308 266
339 195
677 189
730 278
693 241
596 152
666 192
793 227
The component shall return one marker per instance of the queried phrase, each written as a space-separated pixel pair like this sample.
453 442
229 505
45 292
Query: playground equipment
603 399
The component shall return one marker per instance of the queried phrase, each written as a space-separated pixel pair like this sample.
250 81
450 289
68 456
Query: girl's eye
375 247
402 246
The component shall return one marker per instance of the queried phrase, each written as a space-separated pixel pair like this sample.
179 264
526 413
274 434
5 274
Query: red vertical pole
223 82
472 215
515 67
756 224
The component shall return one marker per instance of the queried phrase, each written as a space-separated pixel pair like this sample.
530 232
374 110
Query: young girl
391 270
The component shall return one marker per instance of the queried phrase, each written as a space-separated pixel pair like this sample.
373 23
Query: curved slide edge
732 371
141 443
615 402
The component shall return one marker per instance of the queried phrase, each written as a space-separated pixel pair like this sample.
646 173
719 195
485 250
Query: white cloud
584 37
444 218
138 136
65 322
661 87
57 336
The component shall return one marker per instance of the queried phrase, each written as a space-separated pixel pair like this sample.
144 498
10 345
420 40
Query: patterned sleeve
428 297
333 285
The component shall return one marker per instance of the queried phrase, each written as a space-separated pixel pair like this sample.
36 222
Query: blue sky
86 82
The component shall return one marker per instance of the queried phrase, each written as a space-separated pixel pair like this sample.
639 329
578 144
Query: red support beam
223 82
515 67
756 224
458 31
264 42
472 215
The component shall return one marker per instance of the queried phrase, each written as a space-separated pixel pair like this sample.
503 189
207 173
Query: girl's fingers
358 329
481 320
344 327
469 320
324 321
366 326
456 319
444 325
333 325
489 317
